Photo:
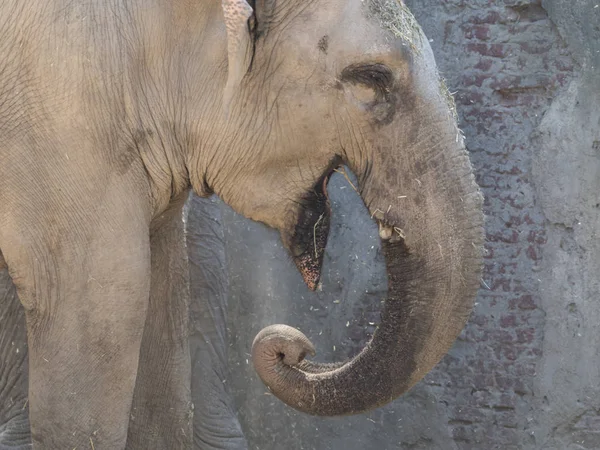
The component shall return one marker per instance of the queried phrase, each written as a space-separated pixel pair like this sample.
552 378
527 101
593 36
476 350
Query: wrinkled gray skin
111 111
14 423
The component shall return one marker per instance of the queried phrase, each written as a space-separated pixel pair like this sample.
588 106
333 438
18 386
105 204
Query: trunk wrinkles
431 227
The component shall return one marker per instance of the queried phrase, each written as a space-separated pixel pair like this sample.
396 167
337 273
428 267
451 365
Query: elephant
111 112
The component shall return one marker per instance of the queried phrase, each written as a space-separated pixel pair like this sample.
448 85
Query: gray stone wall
566 172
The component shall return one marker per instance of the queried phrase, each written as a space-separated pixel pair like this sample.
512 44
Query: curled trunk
429 210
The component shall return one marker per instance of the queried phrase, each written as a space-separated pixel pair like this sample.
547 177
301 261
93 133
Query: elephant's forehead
396 18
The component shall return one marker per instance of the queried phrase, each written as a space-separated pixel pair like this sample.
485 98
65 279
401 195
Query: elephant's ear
240 44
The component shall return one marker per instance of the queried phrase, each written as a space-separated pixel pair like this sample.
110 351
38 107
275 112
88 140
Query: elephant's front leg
85 289
161 416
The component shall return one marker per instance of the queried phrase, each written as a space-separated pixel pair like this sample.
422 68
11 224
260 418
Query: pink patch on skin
310 273
309 265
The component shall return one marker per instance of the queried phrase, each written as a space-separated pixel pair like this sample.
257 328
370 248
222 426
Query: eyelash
376 76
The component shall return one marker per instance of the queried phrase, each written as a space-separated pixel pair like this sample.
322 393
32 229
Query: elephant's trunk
429 210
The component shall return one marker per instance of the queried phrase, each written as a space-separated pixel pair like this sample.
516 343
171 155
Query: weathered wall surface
567 177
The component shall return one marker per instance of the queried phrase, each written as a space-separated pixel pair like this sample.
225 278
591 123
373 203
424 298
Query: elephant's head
316 84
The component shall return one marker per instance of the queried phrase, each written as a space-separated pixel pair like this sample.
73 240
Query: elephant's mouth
310 234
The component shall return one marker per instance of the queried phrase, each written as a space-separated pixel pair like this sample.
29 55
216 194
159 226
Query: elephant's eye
378 77
371 88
